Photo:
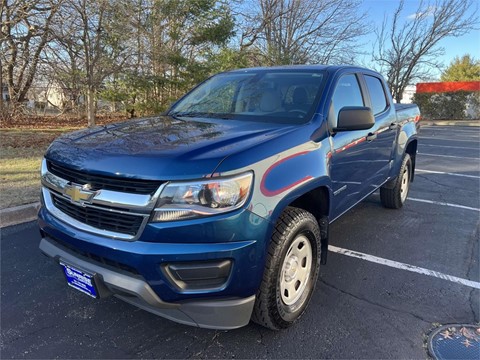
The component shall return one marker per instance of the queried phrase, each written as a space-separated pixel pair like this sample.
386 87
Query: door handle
371 136
393 126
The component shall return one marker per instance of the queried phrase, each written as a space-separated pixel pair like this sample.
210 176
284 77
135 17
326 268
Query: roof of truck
302 67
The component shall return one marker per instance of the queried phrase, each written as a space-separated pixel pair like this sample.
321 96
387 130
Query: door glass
377 94
347 93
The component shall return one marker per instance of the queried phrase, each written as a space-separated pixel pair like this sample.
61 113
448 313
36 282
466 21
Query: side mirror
354 118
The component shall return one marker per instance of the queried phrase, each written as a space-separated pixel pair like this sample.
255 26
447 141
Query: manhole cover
455 342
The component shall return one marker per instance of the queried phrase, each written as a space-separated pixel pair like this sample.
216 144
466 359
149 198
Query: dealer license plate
80 280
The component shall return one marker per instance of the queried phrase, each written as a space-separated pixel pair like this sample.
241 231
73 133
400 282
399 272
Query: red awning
448 86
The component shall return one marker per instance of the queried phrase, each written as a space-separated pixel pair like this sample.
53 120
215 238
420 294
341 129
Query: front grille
100 219
98 182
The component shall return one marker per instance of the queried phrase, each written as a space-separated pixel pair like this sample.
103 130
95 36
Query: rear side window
377 94
347 93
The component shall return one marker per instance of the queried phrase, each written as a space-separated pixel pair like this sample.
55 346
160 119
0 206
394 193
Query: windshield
272 96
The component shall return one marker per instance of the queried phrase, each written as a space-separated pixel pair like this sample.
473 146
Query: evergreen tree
465 68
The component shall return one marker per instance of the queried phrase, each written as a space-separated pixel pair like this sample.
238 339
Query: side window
347 93
377 94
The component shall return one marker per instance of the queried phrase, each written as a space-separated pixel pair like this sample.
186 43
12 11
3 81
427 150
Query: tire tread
265 302
390 197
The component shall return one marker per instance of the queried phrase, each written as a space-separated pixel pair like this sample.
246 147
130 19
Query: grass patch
22 145
21 153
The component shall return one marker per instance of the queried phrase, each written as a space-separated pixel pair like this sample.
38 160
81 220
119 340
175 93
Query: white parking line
442 139
453 147
447 173
450 156
444 204
403 266
465 134
473 131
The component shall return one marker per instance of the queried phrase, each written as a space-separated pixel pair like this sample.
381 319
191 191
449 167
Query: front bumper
231 238
206 313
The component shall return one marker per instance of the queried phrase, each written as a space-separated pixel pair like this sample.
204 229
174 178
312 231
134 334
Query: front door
354 160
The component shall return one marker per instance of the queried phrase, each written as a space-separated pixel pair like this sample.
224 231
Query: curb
18 214
474 123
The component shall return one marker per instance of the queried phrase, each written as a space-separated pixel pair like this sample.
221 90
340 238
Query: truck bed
406 111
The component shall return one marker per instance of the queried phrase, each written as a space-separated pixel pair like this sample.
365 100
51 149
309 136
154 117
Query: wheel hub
291 268
296 268
404 185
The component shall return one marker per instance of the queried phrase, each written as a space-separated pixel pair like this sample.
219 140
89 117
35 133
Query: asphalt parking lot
392 276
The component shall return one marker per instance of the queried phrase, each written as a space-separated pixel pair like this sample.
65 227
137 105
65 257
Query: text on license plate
80 280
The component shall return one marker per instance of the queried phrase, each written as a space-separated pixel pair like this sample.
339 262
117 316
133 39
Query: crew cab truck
217 212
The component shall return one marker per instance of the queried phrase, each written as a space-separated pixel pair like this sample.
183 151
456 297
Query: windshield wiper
190 114
193 114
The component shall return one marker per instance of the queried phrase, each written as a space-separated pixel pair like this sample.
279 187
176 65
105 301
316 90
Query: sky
376 9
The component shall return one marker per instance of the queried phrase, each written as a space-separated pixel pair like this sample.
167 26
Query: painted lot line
403 266
460 136
446 173
469 136
452 131
450 156
472 129
447 140
452 147
444 204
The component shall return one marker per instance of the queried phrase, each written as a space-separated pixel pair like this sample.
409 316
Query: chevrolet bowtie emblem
79 194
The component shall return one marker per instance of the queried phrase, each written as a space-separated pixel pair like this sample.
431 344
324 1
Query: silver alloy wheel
405 184
296 269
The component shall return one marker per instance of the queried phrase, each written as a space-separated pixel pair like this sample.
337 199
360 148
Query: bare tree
88 48
25 31
304 31
407 46
1 90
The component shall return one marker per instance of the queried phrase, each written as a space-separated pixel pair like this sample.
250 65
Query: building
407 96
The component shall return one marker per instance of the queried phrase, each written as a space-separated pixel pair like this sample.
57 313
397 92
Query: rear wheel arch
394 194
411 150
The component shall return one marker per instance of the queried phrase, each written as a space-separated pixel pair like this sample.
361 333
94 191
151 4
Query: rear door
385 128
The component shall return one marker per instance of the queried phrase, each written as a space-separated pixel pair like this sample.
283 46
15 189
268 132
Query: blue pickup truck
217 212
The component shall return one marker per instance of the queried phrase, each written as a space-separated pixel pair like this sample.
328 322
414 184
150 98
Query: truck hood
159 148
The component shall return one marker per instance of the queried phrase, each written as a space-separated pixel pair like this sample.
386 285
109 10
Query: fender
323 181
323 221
408 132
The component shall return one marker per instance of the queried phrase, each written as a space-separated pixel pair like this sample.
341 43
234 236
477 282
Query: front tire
291 270
394 197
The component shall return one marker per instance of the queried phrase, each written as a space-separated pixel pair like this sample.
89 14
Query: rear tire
291 270
394 197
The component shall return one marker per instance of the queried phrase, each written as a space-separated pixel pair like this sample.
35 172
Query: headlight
189 200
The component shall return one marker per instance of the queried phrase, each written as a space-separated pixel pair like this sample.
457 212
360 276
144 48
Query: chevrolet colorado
217 212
